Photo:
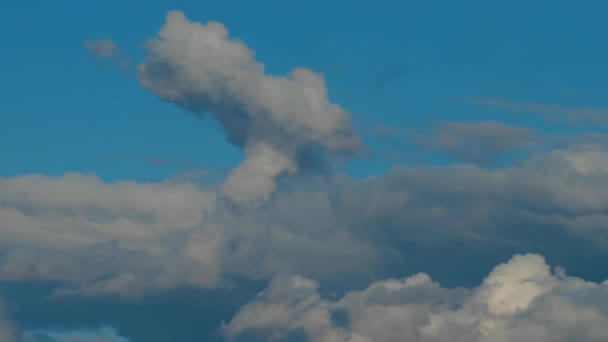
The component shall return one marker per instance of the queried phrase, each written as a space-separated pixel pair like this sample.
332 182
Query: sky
271 171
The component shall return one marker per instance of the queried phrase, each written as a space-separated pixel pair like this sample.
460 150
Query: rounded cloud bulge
520 300
273 118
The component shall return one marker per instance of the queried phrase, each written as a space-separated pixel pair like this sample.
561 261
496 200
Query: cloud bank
273 118
521 300
131 239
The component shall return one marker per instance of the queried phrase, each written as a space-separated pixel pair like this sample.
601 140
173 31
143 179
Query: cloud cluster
273 118
521 300
128 238
88 237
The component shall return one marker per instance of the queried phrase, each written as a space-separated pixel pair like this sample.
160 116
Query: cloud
103 334
519 300
106 51
483 142
131 239
559 189
96 238
273 118
598 116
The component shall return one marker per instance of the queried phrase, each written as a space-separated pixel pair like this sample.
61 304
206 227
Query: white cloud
198 67
519 300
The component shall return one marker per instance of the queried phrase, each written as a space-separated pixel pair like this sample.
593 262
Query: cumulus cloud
273 118
483 142
519 300
106 51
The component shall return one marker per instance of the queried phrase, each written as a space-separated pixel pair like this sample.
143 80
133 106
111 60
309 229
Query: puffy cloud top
198 67
519 300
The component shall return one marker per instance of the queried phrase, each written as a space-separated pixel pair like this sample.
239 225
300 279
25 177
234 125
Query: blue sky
491 118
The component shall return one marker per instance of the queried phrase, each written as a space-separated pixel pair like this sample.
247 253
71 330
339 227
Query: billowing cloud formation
106 50
132 238
481 142
521 300
274 118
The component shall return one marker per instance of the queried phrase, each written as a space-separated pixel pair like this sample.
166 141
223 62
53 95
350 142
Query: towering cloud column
273 118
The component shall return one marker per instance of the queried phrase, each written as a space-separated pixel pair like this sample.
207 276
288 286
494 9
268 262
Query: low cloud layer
131 239
117 237
521 300
273 118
